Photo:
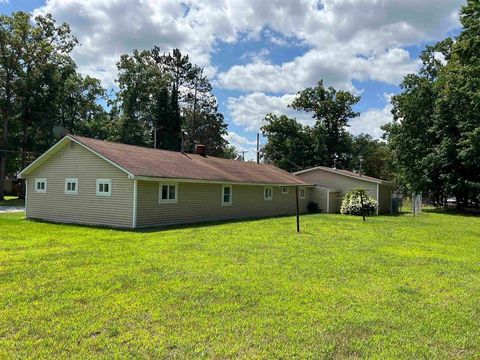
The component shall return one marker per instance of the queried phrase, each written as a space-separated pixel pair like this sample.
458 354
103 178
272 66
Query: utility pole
258 148
243 154
154 137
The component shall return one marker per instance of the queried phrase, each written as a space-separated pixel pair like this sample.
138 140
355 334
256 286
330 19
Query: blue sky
259 54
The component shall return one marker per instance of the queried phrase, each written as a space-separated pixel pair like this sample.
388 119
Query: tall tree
141 97
182 73
332 109
373 156
202 122
290 145
433 137
28 49
168 96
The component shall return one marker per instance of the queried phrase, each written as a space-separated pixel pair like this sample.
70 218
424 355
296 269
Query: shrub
313 208
352 205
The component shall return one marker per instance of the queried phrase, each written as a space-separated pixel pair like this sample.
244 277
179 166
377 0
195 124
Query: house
88 181
333 184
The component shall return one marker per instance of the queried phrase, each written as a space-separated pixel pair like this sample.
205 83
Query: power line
20 152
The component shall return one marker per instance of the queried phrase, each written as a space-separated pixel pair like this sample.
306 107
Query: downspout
135 196
328 201
26 198
378 199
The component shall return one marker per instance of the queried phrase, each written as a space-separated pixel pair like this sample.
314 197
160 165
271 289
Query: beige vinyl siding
74 161
338 181
346 183
203 202
336 201
319 195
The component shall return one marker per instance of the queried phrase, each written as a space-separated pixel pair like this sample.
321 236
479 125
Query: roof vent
201 150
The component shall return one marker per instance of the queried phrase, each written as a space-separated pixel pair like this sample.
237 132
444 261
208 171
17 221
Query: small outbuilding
332 185
88 181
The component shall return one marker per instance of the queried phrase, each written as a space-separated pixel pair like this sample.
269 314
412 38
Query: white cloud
255 56
246 147
248 111
349 40
369 122
238 140
108 28
335 67
440 57
336 30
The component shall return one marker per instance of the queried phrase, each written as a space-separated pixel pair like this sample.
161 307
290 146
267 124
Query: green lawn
12 201
393 287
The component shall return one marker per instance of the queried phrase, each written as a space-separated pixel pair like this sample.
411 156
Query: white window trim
39 180
300 196
167 201
285 192
71 180
270 198
229 203
104 181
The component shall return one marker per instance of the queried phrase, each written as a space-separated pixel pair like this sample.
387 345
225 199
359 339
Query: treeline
163 99
435 138
293 146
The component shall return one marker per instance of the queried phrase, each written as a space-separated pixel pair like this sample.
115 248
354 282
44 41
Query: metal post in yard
298 210
361 202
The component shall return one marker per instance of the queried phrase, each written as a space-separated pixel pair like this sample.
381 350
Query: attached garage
335 183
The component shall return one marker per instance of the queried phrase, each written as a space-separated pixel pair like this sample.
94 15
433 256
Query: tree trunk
3 154
24 152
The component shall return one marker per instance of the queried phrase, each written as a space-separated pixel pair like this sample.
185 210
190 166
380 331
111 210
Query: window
71 186
168 193
301 193
41 185
226 195
284 190
268 193
104 187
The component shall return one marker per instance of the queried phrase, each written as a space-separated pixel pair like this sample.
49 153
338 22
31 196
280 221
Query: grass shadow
157 228
454 212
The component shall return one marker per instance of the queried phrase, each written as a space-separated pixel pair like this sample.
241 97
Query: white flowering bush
352 203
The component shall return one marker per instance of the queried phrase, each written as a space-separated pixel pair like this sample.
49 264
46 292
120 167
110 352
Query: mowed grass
398 287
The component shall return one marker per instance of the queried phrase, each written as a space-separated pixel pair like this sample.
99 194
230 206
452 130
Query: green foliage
291 146
434 138
332 109
251 289
141 97
357 202
163 95
374 157
230 152
39 87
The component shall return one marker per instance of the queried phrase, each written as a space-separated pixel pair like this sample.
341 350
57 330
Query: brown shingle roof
147 162
346 173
